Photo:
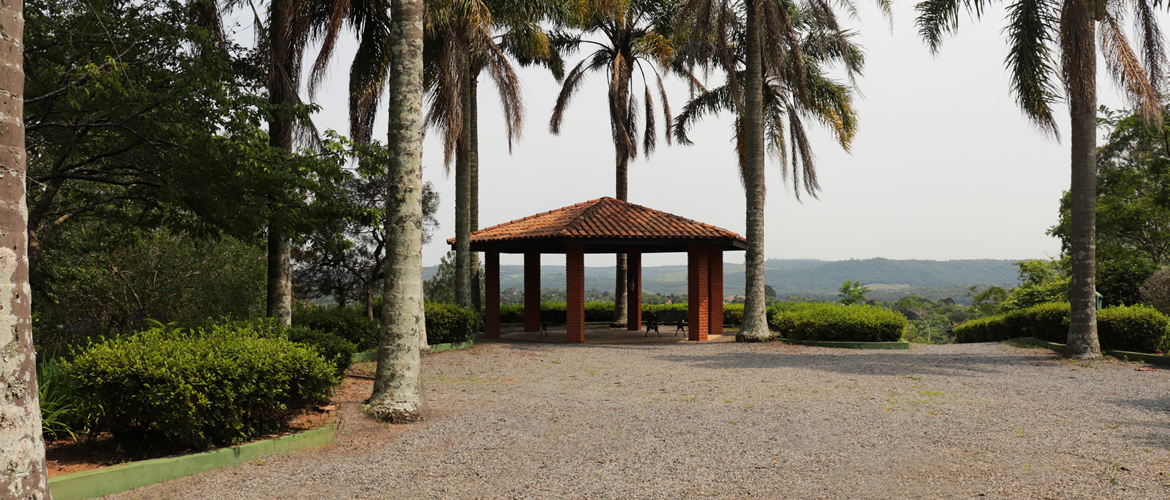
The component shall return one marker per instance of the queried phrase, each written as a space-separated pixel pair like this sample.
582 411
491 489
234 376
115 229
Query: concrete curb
106 480
849 345
1153 359
372 355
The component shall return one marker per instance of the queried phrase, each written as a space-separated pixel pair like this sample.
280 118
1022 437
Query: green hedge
336 350
200 388
450 323
1124 328
349 324
595 312
837 323
1134 328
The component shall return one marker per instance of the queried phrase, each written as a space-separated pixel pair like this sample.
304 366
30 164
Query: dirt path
513 420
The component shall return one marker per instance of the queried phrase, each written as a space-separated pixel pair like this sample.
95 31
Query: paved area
729 420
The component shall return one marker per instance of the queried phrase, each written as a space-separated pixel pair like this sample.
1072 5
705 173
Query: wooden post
531 290
491 307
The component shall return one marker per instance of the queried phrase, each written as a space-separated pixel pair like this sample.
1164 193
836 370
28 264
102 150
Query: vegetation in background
851 292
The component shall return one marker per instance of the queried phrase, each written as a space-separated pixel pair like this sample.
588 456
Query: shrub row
349 324
450 323
837 323
1125 328
198 388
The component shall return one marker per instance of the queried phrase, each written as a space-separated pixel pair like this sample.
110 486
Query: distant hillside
799 277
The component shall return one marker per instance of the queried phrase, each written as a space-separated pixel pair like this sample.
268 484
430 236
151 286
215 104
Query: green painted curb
107 480
372 355
1154 359
849 345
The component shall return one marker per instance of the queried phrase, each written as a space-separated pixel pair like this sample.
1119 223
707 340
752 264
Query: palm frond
665 107
649 133
1031 26
805 174
710 101
1151 42
507 86
1078 57
1126 69
568 89
939 18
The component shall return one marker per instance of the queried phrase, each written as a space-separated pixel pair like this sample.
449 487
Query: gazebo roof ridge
606 222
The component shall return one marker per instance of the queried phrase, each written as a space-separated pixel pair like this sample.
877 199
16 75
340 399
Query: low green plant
197 388
347 323
831 322
337 351
59 410
450 323
1132 328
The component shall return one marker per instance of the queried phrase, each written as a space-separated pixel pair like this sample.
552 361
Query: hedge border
372 355
107 480
849 345
1153 359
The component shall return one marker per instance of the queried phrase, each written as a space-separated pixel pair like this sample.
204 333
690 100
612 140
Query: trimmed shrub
512 313
450 323
349 324
733 314
196 389
1132 328
831 322
1044 321
337 351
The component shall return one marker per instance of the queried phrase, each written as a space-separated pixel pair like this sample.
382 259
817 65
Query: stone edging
106 480
372 355
849 345
1154 359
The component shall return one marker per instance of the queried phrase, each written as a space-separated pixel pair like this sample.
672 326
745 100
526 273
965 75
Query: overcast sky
944 166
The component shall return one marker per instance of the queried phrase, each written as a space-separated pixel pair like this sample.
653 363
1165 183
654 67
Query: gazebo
607 225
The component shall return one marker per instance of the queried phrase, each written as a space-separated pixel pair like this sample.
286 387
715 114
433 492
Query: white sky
944 166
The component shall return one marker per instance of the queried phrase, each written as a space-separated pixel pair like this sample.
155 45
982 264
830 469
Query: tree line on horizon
143 118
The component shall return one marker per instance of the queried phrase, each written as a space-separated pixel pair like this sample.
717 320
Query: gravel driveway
727 420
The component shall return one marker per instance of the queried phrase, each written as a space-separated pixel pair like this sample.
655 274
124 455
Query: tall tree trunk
619 100
463 198
755 321
1082 330
280 128
396 396
22 449
473 190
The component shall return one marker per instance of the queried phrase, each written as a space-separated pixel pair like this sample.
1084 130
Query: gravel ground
727 420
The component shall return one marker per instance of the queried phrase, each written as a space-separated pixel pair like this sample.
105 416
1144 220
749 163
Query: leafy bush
830 322
336 350
59 410
1044 321
1155 291
511 313
197 388
349 324
1132 328
733 314
450 323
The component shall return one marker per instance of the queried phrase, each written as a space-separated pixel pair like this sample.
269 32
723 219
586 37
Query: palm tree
461 44
22 448
633 36
771 49
399 39
1038 32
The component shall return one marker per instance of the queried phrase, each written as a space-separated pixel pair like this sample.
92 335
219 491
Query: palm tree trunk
22 449
755 322
395 396
1082 331
280 128
620 307
473 197
463 199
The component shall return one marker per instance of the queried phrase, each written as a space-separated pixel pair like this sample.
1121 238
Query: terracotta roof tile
601 218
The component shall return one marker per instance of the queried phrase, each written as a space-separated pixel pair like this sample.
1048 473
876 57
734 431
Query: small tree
852 292
1156 290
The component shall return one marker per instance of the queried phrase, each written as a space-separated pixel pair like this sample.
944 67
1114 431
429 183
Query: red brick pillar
575 293
715 286
634 290
698 294
491 306
531 291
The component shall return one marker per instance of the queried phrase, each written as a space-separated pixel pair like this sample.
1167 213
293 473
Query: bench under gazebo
607 225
